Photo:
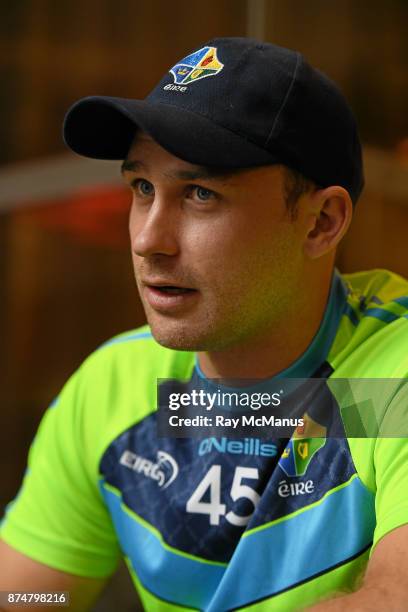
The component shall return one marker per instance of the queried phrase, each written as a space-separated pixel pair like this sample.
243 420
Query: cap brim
103 128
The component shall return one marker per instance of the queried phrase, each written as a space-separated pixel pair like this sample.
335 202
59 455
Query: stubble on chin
176 337
182 335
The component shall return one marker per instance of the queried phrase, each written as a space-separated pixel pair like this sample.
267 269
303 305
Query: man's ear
332 210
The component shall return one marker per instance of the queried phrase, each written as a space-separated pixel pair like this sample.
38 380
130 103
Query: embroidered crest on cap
198 65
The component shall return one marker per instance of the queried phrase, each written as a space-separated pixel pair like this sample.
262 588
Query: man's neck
271 353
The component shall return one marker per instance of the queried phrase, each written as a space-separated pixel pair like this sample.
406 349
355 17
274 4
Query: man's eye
203 194
145 188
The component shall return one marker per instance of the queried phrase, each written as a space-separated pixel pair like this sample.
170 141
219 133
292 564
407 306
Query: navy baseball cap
232 103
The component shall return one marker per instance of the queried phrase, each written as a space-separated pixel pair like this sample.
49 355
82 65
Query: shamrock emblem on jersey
198 65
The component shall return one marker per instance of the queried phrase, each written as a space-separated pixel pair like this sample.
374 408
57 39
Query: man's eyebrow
130 165
206 172
200 172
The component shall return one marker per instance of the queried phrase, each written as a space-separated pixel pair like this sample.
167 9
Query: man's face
217 259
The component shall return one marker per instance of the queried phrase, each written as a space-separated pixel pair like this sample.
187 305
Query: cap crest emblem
200 64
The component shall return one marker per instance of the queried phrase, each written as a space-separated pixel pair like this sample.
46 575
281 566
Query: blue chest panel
209 511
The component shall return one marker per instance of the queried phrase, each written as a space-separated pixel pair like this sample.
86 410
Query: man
245 164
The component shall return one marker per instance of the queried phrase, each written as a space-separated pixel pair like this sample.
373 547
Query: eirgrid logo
164 471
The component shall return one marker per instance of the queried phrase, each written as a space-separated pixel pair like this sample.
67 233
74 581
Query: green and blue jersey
263 524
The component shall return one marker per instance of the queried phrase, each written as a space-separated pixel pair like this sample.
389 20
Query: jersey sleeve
391 467
58 518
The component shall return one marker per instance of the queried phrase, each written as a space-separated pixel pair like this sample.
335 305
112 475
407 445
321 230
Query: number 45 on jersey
214 508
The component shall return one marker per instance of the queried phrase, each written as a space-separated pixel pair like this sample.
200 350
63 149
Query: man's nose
155 233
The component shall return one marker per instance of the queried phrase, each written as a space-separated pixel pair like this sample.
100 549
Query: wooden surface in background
52 53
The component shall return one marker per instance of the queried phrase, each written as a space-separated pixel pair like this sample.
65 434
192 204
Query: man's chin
175 341
178 337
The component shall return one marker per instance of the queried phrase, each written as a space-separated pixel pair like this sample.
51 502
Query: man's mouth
171 289
168 298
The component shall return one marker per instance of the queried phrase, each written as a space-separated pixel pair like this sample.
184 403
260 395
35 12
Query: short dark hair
295 185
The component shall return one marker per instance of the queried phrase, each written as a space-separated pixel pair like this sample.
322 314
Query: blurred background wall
66 279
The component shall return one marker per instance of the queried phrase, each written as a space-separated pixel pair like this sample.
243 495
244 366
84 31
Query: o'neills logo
164 471
247 446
